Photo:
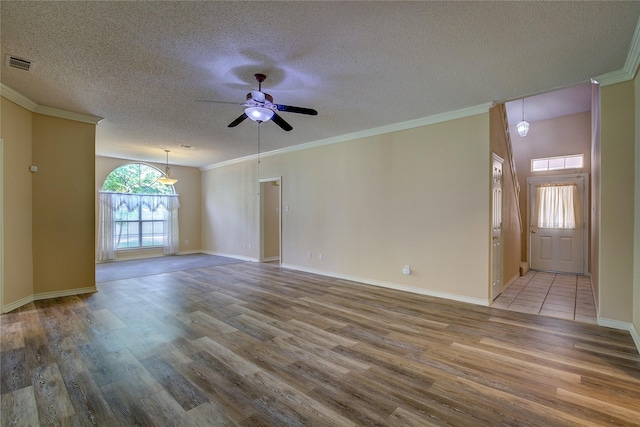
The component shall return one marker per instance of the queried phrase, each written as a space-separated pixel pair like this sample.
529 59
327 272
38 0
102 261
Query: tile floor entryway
566 296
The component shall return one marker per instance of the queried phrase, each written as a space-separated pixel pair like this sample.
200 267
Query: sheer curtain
110 202
171 237
106 226
556 206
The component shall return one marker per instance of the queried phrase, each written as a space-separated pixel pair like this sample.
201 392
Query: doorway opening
271 220
563 128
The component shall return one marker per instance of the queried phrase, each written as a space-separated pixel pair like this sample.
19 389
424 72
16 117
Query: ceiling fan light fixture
523 126
166 179
259 114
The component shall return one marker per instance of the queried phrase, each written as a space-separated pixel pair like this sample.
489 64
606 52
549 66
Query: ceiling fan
260 108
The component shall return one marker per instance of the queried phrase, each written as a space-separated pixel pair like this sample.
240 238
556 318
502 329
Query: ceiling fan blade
218 102
237 121
281 122
299 110
257 96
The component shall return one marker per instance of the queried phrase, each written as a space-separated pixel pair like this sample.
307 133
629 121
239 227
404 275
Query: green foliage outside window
139 227
136 178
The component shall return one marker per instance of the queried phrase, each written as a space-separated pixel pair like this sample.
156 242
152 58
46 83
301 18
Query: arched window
137 211
136 178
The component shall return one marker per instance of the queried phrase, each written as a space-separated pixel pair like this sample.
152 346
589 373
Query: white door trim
497 207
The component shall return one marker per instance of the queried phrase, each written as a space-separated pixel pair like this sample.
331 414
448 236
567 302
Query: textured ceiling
362 65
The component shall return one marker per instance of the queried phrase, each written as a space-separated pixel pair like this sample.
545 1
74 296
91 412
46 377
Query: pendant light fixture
523 126
166 179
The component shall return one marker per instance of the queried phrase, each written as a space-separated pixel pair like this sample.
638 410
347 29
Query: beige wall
511 226
617 202
594 256
63 238
230 210
16 131
549 138
48 214
188 187
370 206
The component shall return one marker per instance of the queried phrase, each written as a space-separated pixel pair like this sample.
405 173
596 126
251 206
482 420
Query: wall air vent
20 63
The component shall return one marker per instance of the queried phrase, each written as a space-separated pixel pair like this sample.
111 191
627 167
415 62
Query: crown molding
17 97
69 115
628 72
396 127
28 104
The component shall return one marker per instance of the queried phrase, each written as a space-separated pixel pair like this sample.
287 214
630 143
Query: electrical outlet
186 242
321 256
309 255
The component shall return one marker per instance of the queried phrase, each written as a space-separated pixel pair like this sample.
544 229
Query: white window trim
563 159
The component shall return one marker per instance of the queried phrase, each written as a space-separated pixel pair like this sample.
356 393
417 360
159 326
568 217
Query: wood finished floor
257 345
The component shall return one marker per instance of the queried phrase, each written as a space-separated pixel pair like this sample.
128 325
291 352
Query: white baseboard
524 268
624 326
636 336
510 282
614 324
396 286
66 293
47 295
17 304
271 258
241 257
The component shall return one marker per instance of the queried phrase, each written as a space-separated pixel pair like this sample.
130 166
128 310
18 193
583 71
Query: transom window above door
573 161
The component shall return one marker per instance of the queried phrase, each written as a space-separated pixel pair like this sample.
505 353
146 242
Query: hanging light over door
523 126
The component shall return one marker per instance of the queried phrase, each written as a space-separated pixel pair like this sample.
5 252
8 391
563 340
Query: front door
496 227
558 223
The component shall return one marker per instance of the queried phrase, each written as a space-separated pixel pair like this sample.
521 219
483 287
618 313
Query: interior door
496 227
558 243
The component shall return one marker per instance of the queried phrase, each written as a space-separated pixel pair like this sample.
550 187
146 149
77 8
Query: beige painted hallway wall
48 225
16 131
370 206
617 202
64 151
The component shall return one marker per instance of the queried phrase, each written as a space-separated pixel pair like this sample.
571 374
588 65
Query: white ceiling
362 65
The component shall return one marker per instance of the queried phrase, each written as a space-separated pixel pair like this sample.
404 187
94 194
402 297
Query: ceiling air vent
20 63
